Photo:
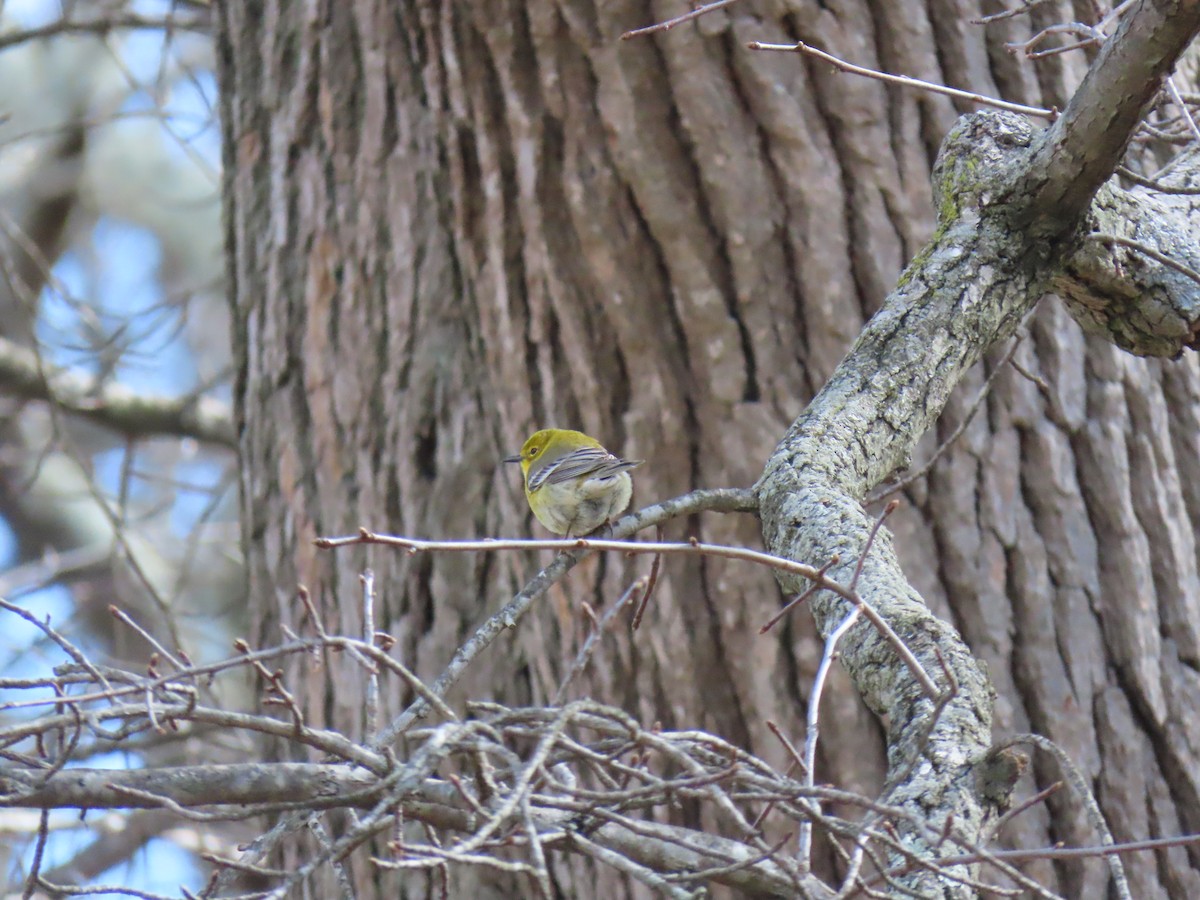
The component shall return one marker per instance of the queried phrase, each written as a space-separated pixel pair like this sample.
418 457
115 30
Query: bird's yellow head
531 449
550 443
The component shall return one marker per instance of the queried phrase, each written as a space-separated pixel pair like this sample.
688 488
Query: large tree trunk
453 223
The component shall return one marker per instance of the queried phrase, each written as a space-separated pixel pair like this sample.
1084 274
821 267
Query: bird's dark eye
533 451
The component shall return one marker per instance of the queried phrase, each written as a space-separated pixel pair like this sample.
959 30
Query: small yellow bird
572 483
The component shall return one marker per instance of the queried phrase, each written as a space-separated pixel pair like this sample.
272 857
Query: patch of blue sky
109 467
150 8
145 483
8 544
195 485
197 482
138 103
192 108
187 103
54 602
25 651
191 132
32 13
63 844
58 326
143 49
132 309
112 299
162 867
109 760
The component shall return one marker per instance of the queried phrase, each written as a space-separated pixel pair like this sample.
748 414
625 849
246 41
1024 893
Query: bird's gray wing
586 462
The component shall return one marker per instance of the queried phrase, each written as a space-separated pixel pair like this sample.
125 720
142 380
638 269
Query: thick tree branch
1082 148
319 785
970 287
22 374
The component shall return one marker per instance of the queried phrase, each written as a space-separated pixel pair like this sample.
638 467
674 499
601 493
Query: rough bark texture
449 224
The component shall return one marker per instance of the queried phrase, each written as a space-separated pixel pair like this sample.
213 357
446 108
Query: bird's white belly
576 509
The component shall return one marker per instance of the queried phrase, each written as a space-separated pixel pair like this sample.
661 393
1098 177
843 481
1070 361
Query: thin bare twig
655 565
35 867
1083 793
799 598
813 729
128 620
1148 251
813 721
639 587
1088 37
367 579
1102 851
678 20
1183 108
624 864
69 648
1008 13
1029 803
1153 185
904 80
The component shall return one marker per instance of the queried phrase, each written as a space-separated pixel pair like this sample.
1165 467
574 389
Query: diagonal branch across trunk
1010 214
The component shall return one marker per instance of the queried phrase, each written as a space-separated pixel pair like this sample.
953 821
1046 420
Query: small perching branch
279 784
574 548
1157 186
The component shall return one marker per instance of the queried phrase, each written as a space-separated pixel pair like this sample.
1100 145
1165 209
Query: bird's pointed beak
512 459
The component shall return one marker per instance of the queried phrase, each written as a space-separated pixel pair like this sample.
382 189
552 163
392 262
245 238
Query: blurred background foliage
111 267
